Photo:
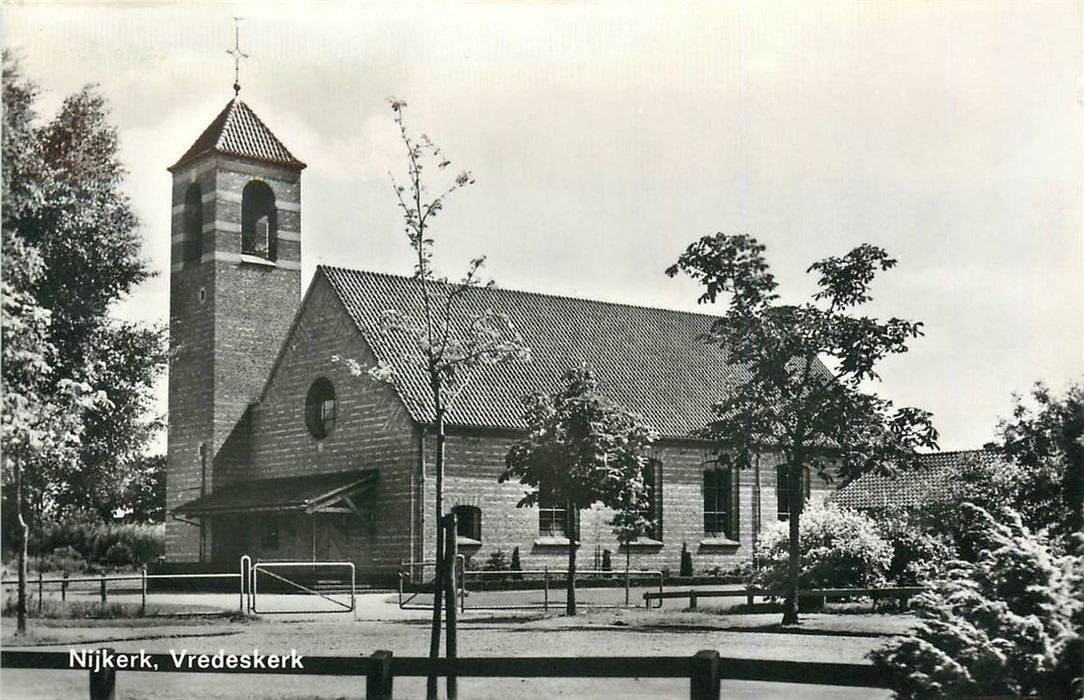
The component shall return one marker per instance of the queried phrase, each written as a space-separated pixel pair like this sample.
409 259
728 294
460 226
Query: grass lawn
822 637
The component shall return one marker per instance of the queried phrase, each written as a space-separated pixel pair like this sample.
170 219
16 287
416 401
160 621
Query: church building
278 452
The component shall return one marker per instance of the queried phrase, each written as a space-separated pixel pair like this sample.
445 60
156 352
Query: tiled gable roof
929 484
237 131
648 360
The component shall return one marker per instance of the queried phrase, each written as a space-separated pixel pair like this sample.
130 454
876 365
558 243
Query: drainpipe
202 493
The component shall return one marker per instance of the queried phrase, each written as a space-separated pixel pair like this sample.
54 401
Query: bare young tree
445 340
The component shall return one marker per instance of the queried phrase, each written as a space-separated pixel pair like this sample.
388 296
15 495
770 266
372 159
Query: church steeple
235 285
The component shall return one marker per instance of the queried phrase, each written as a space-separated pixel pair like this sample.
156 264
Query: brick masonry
227 321
242 362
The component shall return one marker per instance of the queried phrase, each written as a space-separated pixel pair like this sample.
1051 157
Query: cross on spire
237 54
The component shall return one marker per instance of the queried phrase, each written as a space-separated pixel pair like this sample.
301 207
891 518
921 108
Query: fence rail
692 594
704 670
528 589
105 583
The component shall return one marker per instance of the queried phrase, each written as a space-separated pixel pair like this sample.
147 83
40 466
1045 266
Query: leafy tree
446 344
1008 624
145 491
71 244
580 449
1044 439
806 366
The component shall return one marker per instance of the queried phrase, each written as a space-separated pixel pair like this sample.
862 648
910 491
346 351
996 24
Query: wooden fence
704 670
693 595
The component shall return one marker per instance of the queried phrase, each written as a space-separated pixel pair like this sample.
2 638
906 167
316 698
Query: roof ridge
568 297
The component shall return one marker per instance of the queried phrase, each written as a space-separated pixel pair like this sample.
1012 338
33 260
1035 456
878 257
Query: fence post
41 590
451 553
546 589
143 591
462 564
378 681
692 600
102 592
704 682
626 586
103 682
64 587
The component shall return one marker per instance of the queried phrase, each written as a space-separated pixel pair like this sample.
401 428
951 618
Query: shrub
686 561
918 555
498 561
742 570
607 560
64 559
115 545
515 565
840 549
1008 624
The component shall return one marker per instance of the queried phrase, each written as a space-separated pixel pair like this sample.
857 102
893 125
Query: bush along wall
84 545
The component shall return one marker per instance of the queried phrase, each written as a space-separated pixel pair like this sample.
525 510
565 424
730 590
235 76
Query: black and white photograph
542 348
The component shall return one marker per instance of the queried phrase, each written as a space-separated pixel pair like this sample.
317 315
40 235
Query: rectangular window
782 491
468 522
718 494
653 512
552 518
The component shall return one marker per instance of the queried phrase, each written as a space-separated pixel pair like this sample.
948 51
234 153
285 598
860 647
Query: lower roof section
309 494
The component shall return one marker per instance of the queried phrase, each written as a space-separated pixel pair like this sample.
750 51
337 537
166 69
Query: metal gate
287 578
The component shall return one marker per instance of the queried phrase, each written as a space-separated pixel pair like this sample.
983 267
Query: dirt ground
381 625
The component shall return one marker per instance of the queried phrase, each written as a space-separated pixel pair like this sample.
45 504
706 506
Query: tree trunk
794 559
438 577
24 531
570 517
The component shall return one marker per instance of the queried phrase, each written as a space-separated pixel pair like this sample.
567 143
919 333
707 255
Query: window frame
723 490
555 512
782 492
474 532
321 408
258 202
653 474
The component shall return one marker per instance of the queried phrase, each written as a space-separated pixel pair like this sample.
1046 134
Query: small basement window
320 409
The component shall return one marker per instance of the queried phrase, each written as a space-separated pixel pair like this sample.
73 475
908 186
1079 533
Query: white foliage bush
840 548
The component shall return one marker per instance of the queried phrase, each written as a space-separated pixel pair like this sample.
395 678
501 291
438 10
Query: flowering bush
1007 624
840 549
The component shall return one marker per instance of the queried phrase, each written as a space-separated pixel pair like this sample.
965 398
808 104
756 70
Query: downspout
202 493
417 497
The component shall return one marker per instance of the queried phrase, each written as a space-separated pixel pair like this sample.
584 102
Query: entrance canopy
339 492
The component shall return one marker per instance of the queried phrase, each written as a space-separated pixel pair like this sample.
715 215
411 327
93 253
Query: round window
320 408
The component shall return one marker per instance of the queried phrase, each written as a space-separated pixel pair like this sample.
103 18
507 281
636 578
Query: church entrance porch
323 517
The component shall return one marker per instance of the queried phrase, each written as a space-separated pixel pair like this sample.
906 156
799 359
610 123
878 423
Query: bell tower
235 285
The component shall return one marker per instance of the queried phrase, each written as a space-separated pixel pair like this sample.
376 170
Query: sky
605 137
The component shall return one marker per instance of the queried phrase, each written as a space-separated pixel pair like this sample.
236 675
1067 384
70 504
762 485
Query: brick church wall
475 461
372 429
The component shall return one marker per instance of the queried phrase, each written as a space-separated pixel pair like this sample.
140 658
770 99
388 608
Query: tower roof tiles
237 131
